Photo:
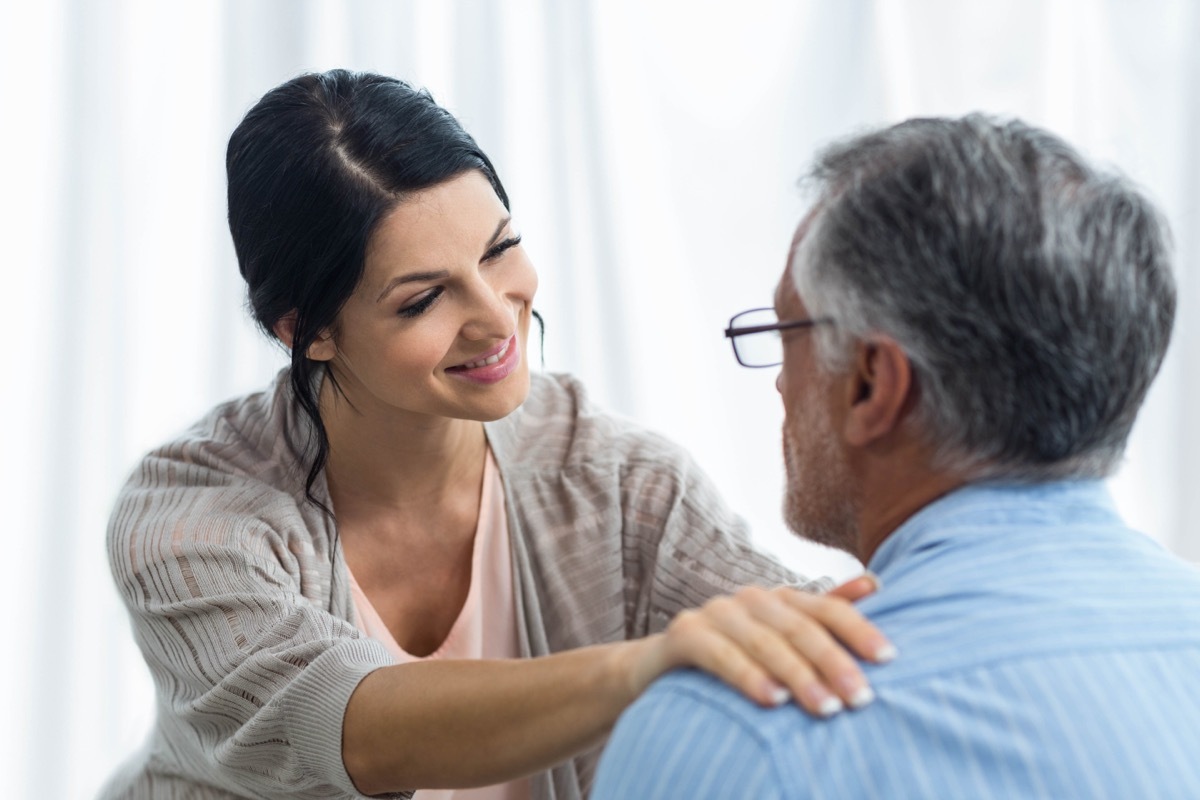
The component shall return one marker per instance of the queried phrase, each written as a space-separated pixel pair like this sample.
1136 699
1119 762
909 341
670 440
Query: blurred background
651 151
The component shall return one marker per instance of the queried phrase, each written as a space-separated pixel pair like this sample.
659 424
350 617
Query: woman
409 563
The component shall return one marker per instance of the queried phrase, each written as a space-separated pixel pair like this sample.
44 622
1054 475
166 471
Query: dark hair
312 168
1031 291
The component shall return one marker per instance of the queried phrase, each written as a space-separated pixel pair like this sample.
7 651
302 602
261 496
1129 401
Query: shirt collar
990 503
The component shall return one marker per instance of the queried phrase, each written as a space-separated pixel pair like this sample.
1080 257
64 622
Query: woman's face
439 324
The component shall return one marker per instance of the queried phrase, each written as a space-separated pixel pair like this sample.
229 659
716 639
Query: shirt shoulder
691 736
977 593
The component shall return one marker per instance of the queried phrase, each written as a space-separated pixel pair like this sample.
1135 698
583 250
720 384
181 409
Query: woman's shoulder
247 435
559 426
238 459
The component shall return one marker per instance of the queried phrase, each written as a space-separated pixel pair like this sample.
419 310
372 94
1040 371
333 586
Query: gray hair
1032 293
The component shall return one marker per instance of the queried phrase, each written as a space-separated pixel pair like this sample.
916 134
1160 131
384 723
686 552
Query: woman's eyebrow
419 277
412 277
499 228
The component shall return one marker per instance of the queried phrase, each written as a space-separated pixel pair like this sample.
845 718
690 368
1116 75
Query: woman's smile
493 366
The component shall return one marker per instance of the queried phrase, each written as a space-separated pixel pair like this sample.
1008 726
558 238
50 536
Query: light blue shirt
1045 651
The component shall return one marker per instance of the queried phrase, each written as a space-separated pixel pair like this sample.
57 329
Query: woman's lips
493 366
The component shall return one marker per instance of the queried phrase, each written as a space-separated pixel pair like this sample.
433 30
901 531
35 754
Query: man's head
999 310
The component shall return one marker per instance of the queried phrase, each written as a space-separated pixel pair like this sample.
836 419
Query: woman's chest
417 584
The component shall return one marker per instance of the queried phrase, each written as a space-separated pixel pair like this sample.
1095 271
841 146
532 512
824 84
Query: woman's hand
772 644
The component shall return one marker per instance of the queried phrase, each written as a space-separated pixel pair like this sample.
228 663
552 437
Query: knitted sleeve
228 594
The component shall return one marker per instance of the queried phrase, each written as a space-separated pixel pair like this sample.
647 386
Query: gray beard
819 504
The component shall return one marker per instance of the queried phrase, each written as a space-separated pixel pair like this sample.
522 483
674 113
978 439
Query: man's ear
880 386
322 349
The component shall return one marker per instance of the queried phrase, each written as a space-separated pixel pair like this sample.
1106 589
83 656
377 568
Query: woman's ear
882 381
322 348
285 329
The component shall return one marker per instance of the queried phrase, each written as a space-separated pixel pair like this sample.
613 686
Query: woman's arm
473 723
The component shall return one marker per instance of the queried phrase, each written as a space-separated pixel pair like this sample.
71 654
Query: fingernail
826 704
830 706
779 695
850 686
875 579
885 653
863 696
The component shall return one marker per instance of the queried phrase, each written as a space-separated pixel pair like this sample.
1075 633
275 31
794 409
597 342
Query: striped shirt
1045 651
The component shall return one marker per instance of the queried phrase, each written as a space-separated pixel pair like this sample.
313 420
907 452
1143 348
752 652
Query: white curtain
651 151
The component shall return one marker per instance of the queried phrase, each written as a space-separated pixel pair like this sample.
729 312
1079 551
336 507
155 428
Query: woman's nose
492 315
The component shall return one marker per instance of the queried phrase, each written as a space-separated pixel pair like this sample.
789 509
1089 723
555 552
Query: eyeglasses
755 336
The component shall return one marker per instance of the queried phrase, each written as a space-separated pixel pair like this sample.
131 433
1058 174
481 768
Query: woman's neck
398 461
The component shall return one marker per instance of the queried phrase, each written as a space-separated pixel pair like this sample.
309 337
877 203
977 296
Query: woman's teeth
489 360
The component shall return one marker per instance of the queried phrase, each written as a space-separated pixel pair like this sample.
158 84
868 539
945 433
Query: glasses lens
764 349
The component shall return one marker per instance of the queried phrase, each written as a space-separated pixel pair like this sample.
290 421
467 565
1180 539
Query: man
969 321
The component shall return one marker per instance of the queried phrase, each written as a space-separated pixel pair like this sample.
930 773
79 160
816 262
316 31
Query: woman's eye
498 248
422 304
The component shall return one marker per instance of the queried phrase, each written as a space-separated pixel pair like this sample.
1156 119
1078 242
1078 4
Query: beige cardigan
240 602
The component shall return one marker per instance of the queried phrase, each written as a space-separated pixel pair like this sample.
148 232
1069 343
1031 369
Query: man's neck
894 490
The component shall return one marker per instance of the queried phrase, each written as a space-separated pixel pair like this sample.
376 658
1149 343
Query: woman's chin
503 399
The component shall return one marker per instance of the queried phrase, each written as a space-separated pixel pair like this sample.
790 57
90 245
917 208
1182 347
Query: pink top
487 625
